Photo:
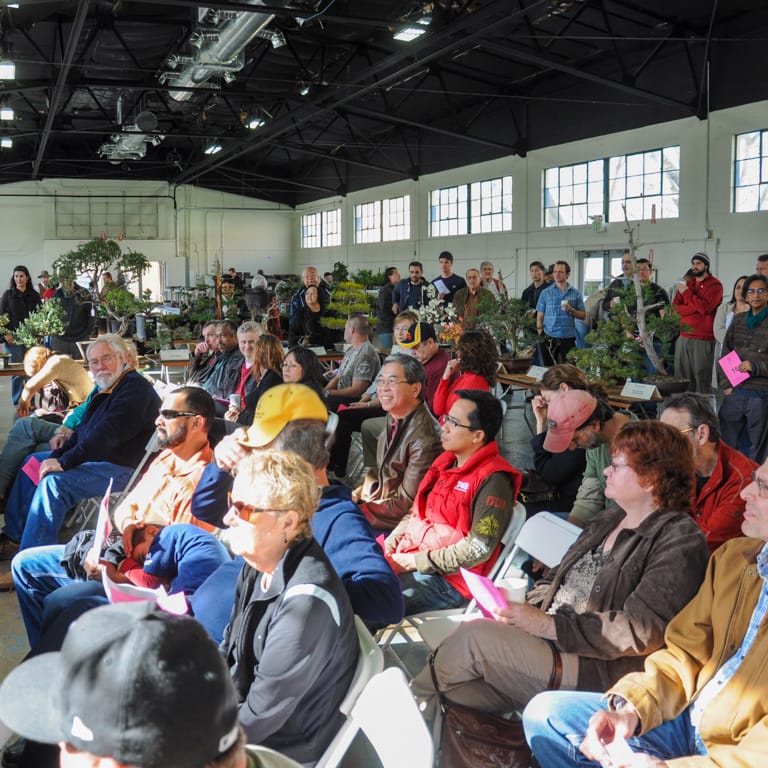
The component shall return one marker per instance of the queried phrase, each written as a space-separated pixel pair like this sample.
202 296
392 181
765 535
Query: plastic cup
564 304
514 589
235 401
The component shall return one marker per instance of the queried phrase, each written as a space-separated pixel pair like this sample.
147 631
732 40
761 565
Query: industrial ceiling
305 99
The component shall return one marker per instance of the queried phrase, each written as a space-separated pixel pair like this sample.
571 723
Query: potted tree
512 323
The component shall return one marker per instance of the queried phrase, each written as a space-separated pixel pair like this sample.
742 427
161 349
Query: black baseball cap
131 682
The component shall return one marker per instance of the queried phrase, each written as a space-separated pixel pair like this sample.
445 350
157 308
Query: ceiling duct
217 47
131 143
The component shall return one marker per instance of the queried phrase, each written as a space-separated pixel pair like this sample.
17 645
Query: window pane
634 165
747 172
672 157
746 199
748 145
653 161
652 185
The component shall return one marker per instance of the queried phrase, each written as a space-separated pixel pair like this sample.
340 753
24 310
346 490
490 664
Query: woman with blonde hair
46 370
290 644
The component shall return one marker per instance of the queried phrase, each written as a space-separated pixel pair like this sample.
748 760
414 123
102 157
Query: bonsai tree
95 257
347 299
510 321
46 320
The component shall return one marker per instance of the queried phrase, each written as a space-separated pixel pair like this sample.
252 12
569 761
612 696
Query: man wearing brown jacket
406 448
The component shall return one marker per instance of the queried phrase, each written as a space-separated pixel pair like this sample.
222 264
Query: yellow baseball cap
277 407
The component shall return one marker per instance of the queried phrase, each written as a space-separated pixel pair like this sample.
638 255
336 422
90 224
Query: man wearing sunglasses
744 411
461 510
163 496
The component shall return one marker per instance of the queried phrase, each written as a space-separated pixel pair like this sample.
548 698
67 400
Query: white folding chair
409 628
545 537
400 739
369 663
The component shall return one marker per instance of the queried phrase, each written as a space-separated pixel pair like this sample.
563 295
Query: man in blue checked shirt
702 699
557 310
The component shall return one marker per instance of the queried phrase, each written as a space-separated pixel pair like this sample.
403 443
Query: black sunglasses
168 415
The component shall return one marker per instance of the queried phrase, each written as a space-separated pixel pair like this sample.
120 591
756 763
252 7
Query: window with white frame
750 172
482 206
573 193
491 205
396 218
383 220
368 222
647 183
320 229
448 211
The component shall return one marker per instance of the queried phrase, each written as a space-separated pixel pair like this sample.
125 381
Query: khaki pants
490 666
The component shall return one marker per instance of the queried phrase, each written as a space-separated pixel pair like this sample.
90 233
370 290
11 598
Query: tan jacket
69 374
389 490
734 726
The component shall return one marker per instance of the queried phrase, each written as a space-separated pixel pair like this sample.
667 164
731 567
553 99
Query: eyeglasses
762 487
616 467
104 361
759 291
448 419
246 511
687 430
390 381
168 415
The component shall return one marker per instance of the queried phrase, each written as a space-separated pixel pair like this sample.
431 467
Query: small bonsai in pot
511 322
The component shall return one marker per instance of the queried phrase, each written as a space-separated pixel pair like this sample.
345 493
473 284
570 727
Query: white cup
563 304
514 589
235 401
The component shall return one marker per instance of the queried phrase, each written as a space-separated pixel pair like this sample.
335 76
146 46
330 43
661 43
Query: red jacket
446 395
697 306
442 510
718 508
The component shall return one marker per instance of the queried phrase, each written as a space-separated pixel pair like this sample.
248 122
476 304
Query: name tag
461 485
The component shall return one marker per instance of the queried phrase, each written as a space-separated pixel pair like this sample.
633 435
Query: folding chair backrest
369 663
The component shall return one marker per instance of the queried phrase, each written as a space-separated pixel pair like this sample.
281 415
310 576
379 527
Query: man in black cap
134 687
696 301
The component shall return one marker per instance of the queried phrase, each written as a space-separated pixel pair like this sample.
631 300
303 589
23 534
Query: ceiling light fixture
7 113
275 37
7 70
212 149
256 122
6 142
412 31
304 89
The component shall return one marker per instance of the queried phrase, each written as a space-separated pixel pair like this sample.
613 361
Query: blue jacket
347 538
409 296
116 426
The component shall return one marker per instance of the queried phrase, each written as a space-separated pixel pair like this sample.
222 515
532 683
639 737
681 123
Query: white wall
705 202
203 226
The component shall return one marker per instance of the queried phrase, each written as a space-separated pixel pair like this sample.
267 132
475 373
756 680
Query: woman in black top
17 302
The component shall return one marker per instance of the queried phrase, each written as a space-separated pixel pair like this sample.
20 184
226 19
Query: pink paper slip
31 469
486 593
730 364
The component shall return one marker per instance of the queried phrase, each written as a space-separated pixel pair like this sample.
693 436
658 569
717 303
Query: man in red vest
461 509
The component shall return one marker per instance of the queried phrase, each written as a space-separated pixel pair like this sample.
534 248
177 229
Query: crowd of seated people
302 554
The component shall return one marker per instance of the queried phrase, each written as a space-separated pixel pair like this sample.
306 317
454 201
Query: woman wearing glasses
301 366
291 643
744 410
606 606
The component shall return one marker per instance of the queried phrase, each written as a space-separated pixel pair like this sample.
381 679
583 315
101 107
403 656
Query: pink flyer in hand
31 469
486 593
730 364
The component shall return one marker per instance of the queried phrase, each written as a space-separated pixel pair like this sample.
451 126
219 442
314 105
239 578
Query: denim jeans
428 592
34 516
37 572
556 721
27 435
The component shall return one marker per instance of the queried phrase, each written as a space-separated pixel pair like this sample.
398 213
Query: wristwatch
617 703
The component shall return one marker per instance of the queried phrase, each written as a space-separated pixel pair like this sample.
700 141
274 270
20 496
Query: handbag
534 489
470 738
